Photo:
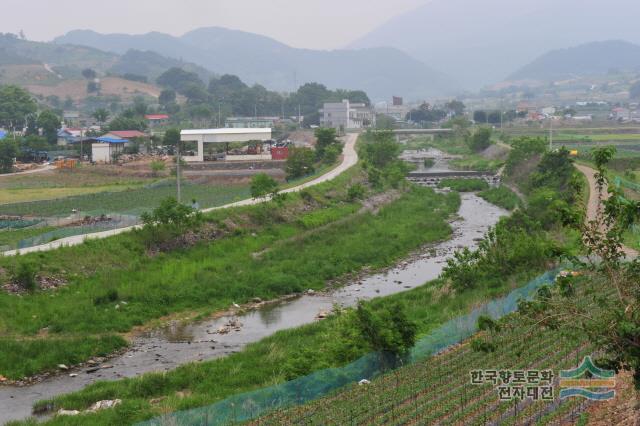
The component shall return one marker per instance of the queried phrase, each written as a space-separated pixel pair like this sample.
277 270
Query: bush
157 167
501 197
262 185
300 163
387 330
25 276
356 192
332 153
109 297
480 140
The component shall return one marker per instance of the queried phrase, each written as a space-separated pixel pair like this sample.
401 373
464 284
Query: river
166 348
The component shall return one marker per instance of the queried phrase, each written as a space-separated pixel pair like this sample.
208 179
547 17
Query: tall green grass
502 197
464 185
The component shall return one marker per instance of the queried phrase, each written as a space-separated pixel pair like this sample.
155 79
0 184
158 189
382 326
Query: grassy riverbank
266 251
284 356
501 196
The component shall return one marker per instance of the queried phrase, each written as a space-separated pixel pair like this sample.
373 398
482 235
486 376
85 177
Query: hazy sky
323 24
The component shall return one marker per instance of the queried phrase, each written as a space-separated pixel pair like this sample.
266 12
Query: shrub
109 297
501 197
262 185
480 140
356 192
300 163
332 153
25 276
157 167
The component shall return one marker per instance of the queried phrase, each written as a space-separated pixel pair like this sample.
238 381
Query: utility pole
178 171
219 115
550 133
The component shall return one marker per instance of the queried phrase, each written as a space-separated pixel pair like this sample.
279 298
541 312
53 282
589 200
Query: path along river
166 348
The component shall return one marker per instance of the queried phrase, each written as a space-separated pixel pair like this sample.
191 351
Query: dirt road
349 159
593 203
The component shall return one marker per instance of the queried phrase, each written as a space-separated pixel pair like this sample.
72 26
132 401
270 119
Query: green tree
8 152
480 140
325 137
384 122
101 115
386 330
15 105
524 149
179 80
89 74
380 148
49 122
123 122
172 137
480 116
300 162
262 185
455 106
167 96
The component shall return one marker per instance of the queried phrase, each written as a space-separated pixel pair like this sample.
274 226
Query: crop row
437 390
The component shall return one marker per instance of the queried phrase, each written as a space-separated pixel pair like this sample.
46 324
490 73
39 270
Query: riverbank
163 349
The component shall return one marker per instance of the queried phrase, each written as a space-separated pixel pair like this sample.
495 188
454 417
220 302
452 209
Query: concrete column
201 150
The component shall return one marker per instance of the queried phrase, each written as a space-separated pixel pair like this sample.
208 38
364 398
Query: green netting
626 184
17 223
250 405
117 221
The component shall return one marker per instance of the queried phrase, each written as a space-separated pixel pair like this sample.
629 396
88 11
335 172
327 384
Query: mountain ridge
595 58
381 71
480 43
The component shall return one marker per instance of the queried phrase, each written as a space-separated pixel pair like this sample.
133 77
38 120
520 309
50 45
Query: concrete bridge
433 179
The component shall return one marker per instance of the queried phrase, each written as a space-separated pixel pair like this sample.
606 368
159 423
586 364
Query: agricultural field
439 390
132 201
73 202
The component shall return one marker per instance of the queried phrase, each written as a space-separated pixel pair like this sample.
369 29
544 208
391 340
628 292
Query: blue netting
247 406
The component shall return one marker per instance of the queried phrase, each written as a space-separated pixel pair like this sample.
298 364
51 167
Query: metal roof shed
226 135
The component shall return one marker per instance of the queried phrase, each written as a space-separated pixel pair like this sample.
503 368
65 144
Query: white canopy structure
226 135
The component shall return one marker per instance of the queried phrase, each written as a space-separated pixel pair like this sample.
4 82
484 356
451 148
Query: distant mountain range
380 71
482 42
596 58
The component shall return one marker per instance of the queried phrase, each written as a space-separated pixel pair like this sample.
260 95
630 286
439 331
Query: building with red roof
156 119
125 134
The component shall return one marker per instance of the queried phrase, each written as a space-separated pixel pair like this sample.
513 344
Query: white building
222 136
397 112
345 115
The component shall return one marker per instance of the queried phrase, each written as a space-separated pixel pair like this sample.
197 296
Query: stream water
166 348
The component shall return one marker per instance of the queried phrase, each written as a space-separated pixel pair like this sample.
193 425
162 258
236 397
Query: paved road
594 201
350 158
30 172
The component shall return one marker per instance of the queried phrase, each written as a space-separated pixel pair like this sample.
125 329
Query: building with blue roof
105 149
